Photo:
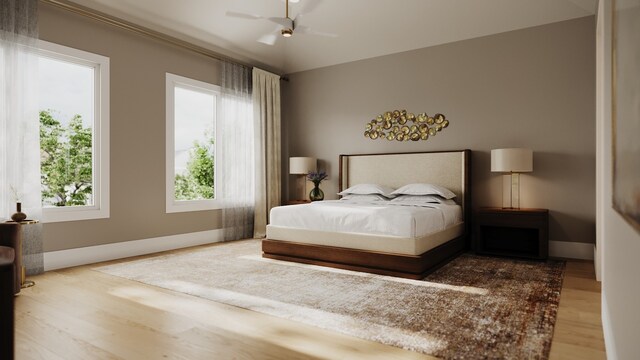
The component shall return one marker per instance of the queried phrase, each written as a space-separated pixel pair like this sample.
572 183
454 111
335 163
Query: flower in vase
316 177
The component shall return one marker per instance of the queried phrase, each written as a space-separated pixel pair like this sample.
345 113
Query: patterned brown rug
474 307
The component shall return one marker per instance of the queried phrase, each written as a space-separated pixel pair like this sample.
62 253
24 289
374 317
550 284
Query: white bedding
368 217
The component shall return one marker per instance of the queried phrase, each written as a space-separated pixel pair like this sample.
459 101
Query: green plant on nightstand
316 177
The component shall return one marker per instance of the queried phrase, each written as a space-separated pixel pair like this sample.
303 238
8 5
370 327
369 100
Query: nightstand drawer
512 232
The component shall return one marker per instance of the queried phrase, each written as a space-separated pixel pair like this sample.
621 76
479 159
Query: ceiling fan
285 25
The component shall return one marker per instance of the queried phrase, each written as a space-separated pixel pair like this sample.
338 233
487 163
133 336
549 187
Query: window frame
173 205
100 134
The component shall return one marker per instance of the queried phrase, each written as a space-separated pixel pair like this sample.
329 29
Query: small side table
297 202
512 232
24 283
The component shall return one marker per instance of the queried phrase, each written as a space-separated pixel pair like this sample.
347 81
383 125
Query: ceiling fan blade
307 30
281 21
309 6
270 38
244 15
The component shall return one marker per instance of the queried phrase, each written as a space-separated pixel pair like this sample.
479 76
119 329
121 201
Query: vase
19 215
316 193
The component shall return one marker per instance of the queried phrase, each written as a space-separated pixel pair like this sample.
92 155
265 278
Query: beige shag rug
474 307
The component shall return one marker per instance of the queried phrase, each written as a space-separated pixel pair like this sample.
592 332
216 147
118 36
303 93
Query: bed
412 249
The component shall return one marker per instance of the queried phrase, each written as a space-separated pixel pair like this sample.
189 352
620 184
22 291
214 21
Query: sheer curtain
266 105
237 161
19 121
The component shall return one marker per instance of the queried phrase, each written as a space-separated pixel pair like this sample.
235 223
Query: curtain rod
111 20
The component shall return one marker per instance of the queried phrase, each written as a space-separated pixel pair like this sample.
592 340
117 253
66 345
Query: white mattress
373 218
379 243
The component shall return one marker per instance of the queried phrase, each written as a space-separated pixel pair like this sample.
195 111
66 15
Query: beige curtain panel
266 108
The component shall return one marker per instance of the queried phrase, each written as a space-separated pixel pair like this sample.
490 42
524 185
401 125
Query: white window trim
173 206
100 207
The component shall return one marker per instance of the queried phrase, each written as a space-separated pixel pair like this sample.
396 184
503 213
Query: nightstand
27 251
512 232
296 202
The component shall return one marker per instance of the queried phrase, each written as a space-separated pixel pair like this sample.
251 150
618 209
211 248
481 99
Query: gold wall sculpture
402 126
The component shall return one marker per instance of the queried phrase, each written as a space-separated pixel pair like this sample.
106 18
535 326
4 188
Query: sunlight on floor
464 289
244 324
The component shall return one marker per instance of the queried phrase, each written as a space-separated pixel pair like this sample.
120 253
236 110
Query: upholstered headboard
451 169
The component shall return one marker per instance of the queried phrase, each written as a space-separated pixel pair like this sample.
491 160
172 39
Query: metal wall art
402 126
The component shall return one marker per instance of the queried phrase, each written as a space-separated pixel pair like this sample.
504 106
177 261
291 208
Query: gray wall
138 66
527 88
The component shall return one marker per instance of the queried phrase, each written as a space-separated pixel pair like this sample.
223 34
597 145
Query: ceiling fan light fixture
285 25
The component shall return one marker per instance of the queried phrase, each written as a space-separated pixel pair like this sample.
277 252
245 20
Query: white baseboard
606 330
596 263
93 254
571 250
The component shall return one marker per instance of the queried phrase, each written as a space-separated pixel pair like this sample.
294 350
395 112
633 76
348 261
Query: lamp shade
302 165
512 160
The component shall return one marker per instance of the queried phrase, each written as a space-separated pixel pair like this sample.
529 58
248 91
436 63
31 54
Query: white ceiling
366 28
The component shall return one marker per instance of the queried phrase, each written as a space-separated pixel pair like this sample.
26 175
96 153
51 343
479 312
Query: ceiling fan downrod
287 32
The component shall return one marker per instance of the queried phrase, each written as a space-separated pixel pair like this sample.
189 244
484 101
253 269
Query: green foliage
197 182
66 161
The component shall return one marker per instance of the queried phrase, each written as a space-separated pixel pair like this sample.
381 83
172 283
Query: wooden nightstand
296 202
512 232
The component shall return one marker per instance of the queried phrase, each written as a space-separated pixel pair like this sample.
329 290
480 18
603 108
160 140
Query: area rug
473 307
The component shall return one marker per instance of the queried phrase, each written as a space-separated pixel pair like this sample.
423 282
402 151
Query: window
191 144
74 133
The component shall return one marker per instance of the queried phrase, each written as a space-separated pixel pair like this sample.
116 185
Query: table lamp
302 166
513 161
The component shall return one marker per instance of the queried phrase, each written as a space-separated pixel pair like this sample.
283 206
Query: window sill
194 205
79 213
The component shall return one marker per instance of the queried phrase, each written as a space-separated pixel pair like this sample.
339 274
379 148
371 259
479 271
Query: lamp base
511 191
301 187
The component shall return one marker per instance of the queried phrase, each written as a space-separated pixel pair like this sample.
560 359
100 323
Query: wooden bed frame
406 266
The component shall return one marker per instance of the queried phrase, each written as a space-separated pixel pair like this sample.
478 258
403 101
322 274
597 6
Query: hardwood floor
79 313
578 331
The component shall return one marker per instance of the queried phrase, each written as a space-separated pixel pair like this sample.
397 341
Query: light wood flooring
79 313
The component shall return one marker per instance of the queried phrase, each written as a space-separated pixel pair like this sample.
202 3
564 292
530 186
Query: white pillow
366 189
367 197
424 189
422 199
